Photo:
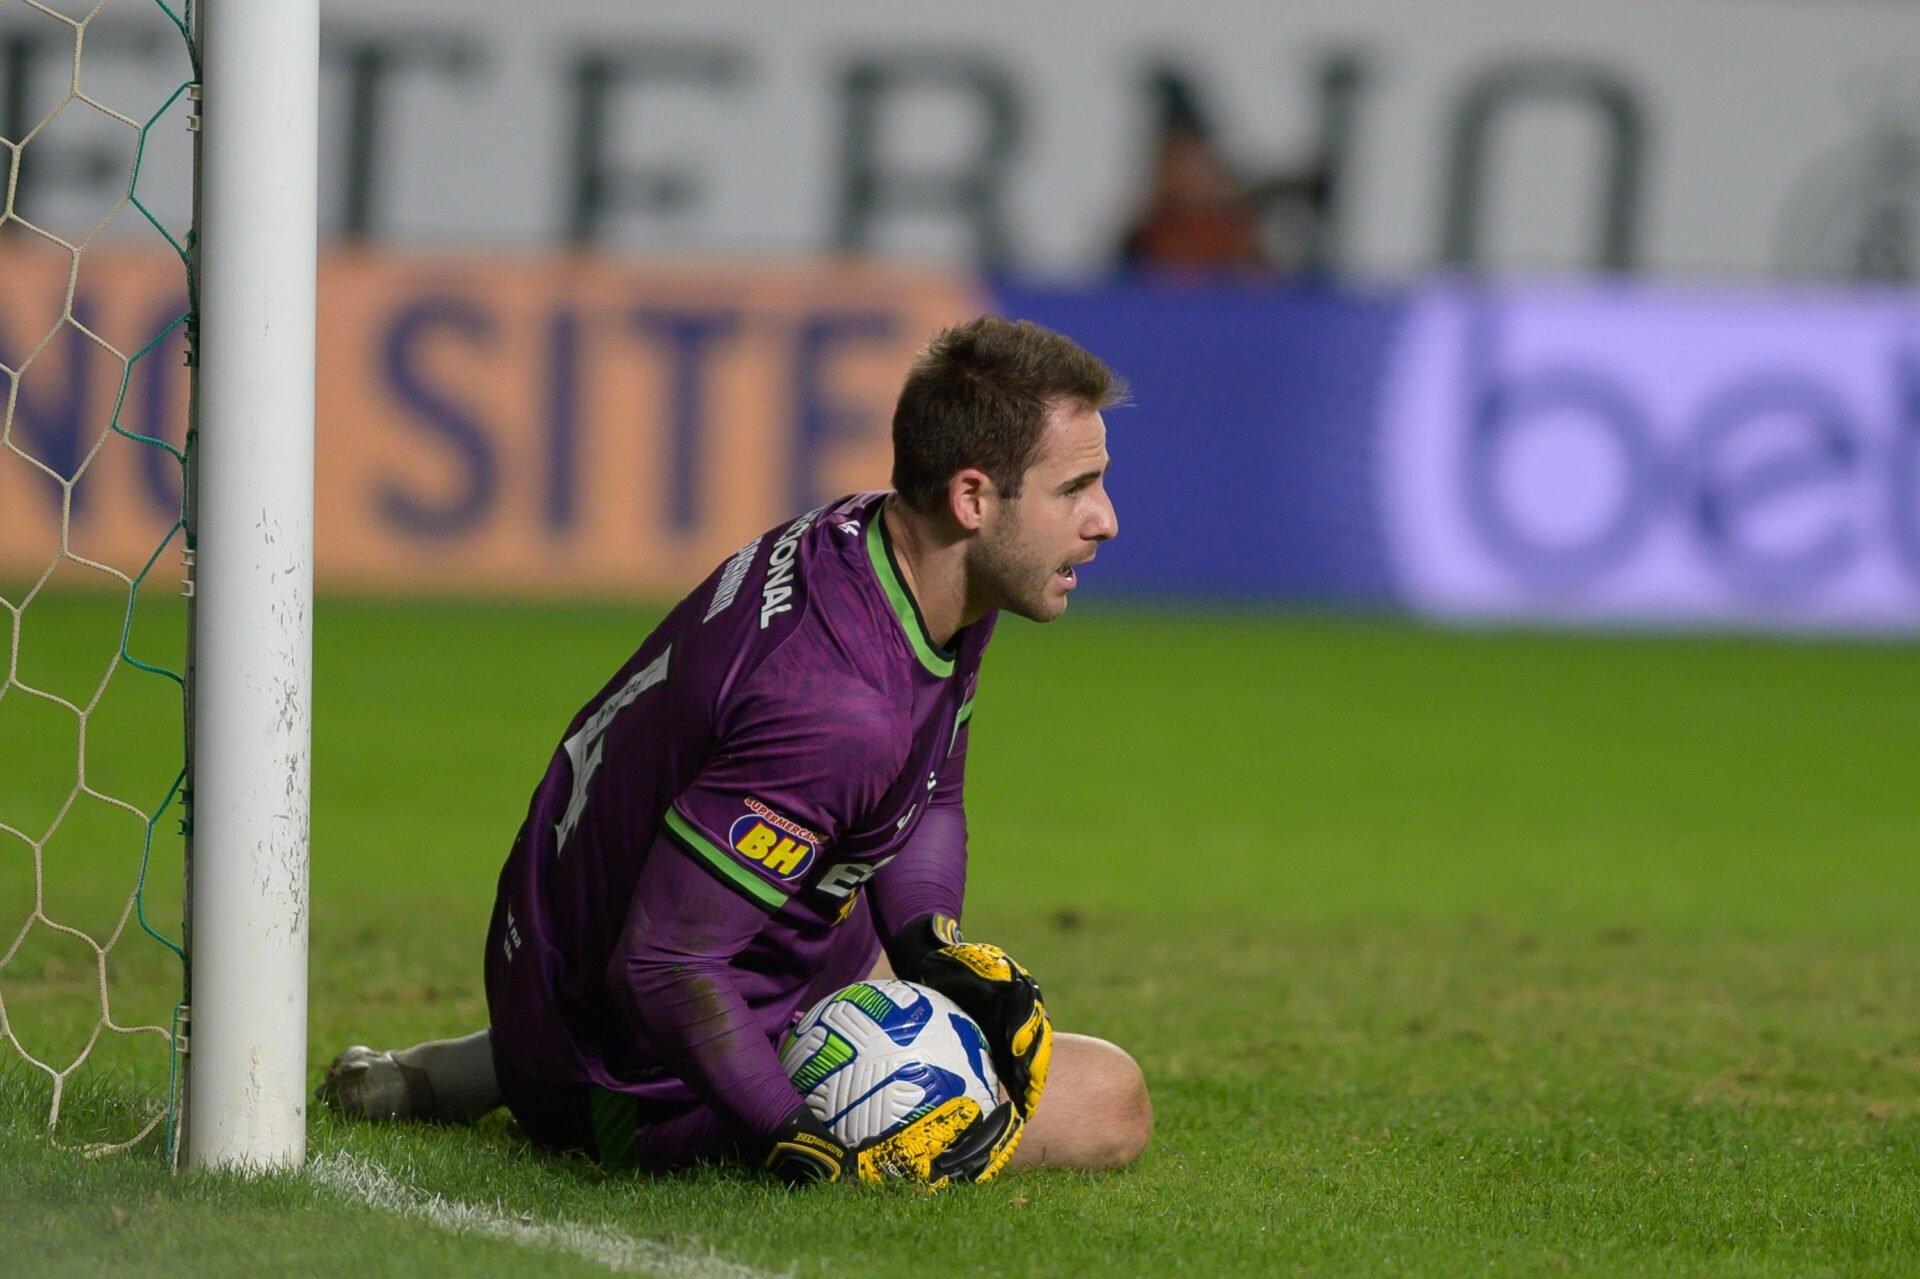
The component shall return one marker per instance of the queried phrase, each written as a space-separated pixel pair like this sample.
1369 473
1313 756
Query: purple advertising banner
1621 455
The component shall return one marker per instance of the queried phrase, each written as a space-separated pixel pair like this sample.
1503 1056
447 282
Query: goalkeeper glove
954 1142
951 1143
802 1151
990 988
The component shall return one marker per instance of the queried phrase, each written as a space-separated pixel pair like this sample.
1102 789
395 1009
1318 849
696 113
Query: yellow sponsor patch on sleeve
766 840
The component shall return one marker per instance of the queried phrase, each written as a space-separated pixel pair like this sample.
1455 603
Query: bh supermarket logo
772 842
1622 454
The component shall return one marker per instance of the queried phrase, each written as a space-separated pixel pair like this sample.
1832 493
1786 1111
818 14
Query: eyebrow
1086 477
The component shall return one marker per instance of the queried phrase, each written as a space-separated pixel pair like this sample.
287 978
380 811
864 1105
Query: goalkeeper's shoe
364 1084
991 988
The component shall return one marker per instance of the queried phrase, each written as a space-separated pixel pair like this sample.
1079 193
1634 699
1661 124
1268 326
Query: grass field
1444 953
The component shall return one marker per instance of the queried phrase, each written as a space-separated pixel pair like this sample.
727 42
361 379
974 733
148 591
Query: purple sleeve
671 975
798 767
929 876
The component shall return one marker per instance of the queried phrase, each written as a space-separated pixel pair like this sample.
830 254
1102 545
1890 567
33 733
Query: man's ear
970 494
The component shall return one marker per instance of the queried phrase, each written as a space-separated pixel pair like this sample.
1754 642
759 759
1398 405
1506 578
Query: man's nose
1106 525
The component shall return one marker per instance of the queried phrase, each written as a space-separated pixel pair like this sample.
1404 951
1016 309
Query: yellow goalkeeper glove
991 988
954 1142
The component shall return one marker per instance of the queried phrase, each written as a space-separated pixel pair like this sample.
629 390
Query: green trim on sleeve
732 872
616 1119
880 551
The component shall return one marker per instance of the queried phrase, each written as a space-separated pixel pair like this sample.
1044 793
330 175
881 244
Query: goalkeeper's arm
671 974
916 902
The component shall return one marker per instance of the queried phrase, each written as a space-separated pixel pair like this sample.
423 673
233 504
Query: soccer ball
873 1057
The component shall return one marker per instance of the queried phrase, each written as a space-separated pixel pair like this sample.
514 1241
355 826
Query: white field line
379 1189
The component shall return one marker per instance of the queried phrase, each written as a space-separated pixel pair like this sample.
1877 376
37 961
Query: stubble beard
1016 580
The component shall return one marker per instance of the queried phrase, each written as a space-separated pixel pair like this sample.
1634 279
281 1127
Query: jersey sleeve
672 975
798 767
929 875
950 779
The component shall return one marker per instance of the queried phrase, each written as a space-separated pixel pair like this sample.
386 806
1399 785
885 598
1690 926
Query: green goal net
97 102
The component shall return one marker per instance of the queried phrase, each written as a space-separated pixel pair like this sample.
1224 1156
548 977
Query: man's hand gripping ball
956 1141
953 1142
991 988
803 1151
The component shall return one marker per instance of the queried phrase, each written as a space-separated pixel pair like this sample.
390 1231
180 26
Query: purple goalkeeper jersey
784 733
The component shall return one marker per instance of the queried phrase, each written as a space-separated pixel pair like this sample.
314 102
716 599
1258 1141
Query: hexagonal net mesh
91 740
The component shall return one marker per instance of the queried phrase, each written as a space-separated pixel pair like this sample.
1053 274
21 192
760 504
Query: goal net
93 342
156 448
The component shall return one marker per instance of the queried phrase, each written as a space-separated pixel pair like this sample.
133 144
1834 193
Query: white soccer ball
877 1055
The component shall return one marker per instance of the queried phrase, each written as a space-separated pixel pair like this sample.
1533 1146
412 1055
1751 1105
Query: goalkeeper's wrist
804 1150
908 948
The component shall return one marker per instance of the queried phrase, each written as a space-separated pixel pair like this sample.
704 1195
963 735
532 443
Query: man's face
1028 550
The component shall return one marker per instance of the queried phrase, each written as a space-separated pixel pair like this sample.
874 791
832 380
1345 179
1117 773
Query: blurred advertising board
576 426
532 424
1687 137
1605 454
1615 454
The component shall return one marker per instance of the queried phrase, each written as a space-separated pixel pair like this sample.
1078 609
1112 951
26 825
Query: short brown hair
979 395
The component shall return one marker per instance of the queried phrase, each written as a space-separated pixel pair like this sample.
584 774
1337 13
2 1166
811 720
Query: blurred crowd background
1503 309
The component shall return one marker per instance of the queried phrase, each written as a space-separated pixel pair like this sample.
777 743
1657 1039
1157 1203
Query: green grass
1443 952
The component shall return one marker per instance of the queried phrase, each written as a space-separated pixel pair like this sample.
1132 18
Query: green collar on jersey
905 607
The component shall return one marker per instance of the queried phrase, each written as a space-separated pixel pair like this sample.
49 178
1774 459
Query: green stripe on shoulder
730 870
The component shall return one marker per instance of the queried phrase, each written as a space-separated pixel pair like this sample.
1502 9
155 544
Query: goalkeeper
768 795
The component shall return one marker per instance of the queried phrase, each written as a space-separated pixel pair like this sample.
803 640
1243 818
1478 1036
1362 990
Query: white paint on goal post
368 1183
251 660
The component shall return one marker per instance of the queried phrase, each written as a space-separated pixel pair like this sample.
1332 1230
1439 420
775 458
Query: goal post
250 524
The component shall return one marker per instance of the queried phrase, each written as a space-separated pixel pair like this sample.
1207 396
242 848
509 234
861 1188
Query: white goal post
251 514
